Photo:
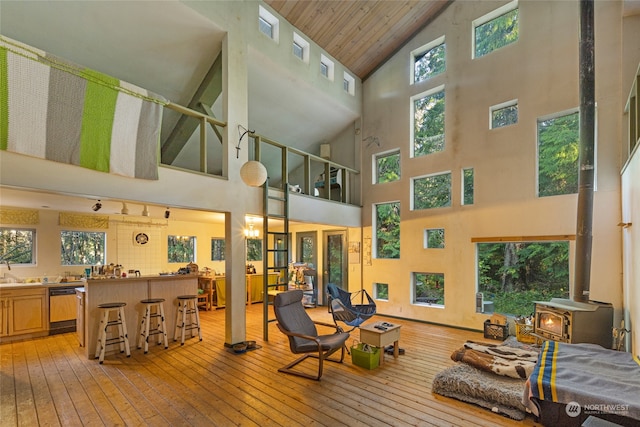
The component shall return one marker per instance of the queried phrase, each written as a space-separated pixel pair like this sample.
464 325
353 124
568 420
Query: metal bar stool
187 317
159 327
105 322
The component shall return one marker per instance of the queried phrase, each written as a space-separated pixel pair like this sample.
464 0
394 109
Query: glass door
335 260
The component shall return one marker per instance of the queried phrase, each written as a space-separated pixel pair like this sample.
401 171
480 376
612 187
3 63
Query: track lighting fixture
97 206
167 213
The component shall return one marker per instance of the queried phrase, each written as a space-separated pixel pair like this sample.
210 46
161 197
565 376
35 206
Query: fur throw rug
499 359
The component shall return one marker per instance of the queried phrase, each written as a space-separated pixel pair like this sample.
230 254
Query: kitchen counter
131 290
39 285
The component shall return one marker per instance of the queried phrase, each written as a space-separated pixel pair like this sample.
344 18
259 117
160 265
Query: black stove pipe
584 225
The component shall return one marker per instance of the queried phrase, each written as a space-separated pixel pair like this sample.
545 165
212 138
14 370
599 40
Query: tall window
558 149
434 238
515 274
387 230
217 249
428 288
428 123
496 29
82 247
387 166
467 186
17 246
254 250
181 249
429 60
504 114
432 191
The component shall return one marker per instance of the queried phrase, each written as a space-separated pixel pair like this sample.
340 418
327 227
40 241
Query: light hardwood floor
48 381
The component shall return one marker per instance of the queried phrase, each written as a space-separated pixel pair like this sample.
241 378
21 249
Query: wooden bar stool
153 310
187 317
105 322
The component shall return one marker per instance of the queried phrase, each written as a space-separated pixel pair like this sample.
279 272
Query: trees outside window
504 115
467 186
17 246
496 29
217 249
181 249
428 288
387 217
515 274
558 149
432 191
381 291
434 238
387 167
254 250
82 248
428 123
430 61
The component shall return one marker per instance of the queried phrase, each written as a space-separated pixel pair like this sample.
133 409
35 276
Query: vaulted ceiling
361 34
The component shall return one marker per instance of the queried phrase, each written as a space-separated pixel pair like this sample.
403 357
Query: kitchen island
131 291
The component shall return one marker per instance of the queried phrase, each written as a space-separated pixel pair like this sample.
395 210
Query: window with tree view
492 32
428 288
17 246
428 124
387 167
432 191
217 249
467 186
381 291
558 148
181 249
429 62
515 274
254 250
504 115
82 248
434 238
388 230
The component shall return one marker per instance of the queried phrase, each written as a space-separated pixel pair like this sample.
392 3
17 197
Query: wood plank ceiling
361 34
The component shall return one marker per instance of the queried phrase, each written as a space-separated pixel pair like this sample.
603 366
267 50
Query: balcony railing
192 141
304 172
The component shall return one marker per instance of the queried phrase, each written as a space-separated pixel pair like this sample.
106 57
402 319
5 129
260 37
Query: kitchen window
82 247
181 249
17 246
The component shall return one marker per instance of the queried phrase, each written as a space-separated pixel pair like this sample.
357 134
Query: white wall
150 258
540 70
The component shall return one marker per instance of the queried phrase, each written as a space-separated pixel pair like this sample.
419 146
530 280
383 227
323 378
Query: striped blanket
55 110
597 379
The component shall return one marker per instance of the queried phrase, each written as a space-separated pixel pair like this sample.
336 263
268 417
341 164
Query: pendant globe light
253 173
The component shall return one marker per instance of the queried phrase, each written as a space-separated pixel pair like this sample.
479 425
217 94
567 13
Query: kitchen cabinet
23 311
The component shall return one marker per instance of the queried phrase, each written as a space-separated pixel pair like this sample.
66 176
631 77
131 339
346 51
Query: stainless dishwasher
62 310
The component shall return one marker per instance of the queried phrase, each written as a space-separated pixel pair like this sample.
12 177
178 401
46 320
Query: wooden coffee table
370 334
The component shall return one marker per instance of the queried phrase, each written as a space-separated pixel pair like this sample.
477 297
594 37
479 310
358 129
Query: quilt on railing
59 111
